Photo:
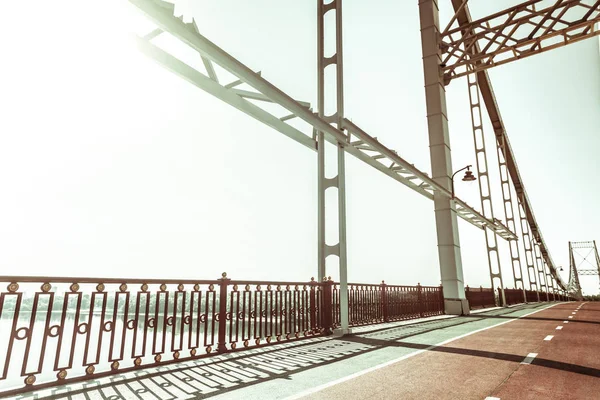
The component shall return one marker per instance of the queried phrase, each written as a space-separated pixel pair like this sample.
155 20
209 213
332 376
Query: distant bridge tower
584 261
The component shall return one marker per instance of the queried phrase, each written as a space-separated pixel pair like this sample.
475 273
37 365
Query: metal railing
373 304
480 297
532 296
513 296
58 330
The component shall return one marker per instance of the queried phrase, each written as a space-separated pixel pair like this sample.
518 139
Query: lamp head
469 177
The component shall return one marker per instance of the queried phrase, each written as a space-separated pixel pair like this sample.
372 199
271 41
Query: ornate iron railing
372 304
57 330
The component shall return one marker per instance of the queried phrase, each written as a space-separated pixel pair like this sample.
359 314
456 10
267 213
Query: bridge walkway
487 354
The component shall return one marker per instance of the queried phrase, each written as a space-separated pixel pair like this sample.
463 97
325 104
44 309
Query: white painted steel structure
584 260
347 137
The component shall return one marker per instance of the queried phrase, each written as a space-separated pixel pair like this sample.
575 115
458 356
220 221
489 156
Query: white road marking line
548 338
492 398
391 362
575 312
529 358
565 322
558 328
570 316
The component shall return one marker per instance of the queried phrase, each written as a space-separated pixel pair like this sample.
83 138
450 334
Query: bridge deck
474 357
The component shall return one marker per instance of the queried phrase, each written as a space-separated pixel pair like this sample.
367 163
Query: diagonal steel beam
367 148
229 96
493 110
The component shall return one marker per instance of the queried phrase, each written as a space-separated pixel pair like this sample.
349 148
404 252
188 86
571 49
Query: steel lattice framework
465 47
517 32
584 260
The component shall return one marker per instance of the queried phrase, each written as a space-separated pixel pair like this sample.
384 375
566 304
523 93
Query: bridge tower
584 261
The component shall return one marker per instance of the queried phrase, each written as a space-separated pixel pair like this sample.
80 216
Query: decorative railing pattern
57 330
480 297
257 311
372 304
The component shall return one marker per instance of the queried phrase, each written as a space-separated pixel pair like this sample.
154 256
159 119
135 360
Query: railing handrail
378 285
280 283
77 279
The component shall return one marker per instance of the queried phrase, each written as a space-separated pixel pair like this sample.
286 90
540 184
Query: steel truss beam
485 192
357 142
578 266
515 33
542 279
528 246
509 215
463 17
574 285
584 272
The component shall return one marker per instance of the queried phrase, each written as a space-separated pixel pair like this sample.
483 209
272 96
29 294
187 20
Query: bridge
100 337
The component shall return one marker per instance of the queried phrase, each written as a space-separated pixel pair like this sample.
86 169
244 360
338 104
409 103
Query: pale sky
112 166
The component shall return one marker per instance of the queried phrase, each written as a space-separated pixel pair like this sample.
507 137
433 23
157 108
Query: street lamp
469 177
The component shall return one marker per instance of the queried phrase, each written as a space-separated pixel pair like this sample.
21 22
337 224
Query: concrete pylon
441 162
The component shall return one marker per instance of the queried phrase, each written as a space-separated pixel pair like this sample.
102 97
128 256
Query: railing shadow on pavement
533 318
564 366
63 330
225 373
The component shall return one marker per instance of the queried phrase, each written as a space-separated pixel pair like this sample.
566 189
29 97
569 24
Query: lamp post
469 177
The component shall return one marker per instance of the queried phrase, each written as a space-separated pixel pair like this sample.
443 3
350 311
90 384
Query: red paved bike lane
490 363
566 367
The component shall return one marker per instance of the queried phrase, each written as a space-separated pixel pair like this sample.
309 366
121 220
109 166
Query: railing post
384 301
420 299
481 297
313 305
224 282
327 312
442 297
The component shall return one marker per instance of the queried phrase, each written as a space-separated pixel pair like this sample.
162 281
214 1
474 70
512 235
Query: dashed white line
391 362
558 328
565 322
548 338
574 312
492 398
529 358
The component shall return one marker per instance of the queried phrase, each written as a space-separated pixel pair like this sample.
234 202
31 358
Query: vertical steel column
338 181
441 161
540 268
554 288
484 186
525 234
549 278
597 258
509 214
